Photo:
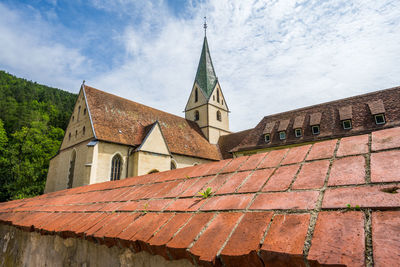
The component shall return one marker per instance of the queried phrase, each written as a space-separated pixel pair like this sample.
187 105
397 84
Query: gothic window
71 169
76 133
69 137
217 95
116 166
219 115
79 111
153 171
83 130
196 95
84 111
196 115
73 118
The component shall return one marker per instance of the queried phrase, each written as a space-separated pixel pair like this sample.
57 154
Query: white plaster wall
184 161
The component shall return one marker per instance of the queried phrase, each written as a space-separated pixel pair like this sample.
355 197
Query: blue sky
270 56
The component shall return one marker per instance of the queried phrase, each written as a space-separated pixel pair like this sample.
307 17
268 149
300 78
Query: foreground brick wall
334 202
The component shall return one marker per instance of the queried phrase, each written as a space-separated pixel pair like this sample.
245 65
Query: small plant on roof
206 193
349 207
145 206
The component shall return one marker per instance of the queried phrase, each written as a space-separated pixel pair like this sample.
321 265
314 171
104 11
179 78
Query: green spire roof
205 76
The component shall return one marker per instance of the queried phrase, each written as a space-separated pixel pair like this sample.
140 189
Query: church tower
206 105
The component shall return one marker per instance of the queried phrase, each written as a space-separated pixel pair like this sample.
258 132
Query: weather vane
205 26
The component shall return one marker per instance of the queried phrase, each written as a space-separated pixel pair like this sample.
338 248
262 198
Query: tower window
116 168
282 135
298 133
315 129
219 115
380 119
267 138
84 111
196 95
196 115
217 95
83 130
346 124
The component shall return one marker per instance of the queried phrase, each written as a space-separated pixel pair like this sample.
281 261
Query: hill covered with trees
33 118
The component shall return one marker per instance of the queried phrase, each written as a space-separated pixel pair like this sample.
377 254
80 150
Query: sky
270 56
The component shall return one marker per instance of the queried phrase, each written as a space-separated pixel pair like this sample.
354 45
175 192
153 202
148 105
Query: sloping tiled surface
122 121
318 207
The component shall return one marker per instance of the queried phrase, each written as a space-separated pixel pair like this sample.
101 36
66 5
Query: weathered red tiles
217 182
233 182
234 164
253 162
385 166
216 167
256 181
322 150
211 240
229 202
312 175
386 139
300 200
119 227
158 242
242 247
197 186
349 170
377 196
281 179
386 238
180 187
284 242
296 154
180 242
186 204
353 145
338 239
273 158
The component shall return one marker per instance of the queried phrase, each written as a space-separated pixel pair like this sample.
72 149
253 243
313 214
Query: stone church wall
185 161
20 248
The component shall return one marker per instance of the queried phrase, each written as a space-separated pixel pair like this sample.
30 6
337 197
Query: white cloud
27 50
270 56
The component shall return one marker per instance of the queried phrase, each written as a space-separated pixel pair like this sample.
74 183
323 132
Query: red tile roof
360 109
281 207
122 121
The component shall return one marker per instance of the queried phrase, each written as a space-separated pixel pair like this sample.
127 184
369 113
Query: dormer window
380 119
346 124
196 115
282 135
267 138
298 132
315 129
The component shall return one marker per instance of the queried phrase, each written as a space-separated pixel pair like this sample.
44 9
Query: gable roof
285 206
119 120
205 75
329 116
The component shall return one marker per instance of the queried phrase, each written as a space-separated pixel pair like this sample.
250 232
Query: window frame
282 135
350 126
267 138
196 115
383 117
219 115
116 161
315 127
296 131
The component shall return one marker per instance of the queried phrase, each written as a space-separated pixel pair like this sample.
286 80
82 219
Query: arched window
76 133
196 95
73 118
84 111
153 171
69 137
173 165
83 130
218 115
217 95
79 111
71 169
196 115
116 165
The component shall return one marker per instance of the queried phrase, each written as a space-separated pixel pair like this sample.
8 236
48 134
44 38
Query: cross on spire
205 26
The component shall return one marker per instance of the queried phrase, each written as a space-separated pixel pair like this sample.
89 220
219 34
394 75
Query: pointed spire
205 76
205 26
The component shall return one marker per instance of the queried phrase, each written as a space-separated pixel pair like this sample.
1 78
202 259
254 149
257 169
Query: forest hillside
33 118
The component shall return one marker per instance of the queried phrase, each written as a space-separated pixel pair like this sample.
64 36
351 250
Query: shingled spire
205 75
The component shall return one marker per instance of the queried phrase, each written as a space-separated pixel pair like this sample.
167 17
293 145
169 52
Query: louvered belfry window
116 168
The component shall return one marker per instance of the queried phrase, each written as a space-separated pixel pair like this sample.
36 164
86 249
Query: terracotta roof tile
122 121
260 211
